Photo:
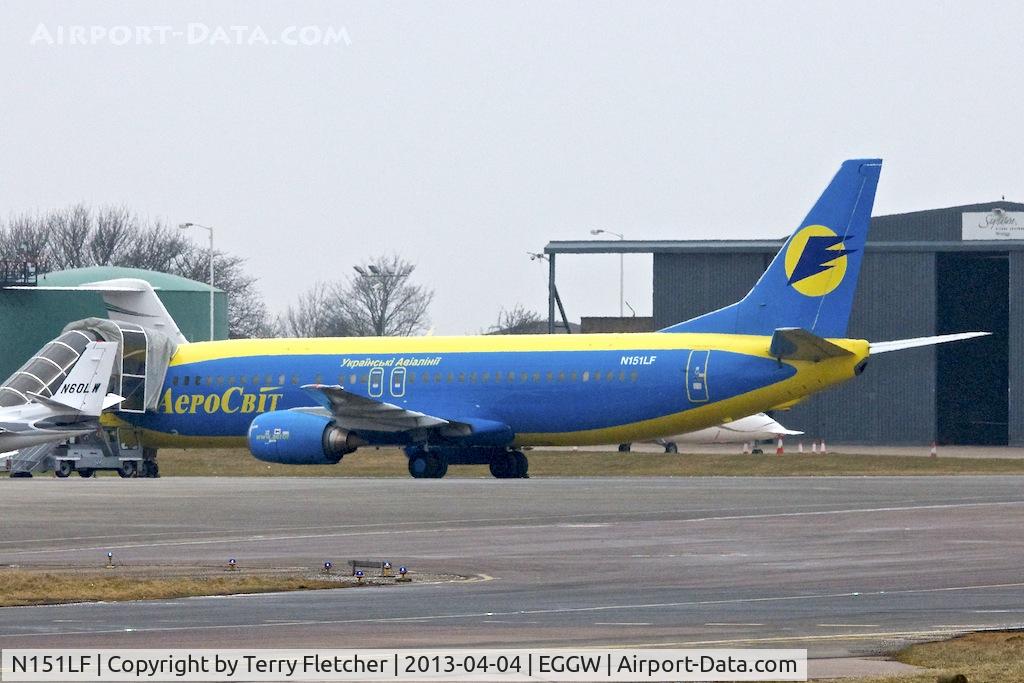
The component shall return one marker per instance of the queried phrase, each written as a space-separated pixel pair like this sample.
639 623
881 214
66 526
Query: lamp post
622 296
186 226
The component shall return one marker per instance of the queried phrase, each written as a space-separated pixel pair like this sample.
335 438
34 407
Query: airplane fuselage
550 390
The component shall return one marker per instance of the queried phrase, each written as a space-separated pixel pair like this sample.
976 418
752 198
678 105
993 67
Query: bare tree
69 231
380 300
516 320
79 236
315 314
116 231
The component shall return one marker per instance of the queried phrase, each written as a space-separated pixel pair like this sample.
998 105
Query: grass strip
986 657
390 462
25 587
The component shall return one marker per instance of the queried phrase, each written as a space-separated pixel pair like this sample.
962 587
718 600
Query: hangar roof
918 231
161 281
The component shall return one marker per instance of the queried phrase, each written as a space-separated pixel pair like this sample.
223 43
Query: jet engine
296 438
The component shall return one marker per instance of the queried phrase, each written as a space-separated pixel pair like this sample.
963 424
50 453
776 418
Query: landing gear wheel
442 467
63 468
671 447
128 469
86 472
757 451
427 465
625 447
419 466
150 470
522 465
504 466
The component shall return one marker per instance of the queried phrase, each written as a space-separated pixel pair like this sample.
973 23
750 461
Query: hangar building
32 315
930 272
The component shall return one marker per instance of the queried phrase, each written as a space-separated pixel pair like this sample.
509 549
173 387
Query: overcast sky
462 135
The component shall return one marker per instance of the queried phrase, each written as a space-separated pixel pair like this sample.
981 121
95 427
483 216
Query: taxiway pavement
843 565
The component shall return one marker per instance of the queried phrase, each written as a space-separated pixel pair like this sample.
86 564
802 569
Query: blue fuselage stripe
531 391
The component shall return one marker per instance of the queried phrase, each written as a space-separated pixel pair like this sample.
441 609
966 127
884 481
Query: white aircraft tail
134 301
129 300
85 388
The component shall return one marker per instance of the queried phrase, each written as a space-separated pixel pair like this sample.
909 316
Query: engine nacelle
294 438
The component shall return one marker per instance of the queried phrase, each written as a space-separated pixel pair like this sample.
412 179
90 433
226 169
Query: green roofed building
32 314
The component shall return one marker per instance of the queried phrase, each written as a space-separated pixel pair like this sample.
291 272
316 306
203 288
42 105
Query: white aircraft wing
355 412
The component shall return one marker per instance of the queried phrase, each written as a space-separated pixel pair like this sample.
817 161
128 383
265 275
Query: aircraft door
398 382
697 376
376 388
133 368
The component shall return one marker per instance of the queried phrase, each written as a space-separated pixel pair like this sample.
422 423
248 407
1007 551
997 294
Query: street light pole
186 226
622 278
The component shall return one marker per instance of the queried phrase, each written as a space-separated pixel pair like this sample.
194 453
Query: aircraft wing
355 412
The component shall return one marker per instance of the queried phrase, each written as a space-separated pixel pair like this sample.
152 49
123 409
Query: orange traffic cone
814 447
800 448
778 449
935 450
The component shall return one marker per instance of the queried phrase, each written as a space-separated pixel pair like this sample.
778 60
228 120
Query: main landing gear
432 462
510 465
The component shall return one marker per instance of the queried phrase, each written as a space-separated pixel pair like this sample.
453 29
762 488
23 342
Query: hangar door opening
972 400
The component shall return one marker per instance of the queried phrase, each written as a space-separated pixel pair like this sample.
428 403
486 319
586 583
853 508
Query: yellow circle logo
815 261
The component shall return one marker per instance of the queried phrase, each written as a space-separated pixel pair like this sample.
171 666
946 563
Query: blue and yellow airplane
479 400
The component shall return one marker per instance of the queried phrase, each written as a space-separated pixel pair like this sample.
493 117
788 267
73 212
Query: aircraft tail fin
135 301
128 300
811 282
85 387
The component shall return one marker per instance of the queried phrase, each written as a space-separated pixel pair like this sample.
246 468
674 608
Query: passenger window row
486 377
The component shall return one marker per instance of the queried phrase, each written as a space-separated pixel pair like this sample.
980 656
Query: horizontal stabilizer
793 343
900 344
111 400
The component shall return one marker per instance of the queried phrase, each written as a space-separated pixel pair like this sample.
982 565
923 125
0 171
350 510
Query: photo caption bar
403 665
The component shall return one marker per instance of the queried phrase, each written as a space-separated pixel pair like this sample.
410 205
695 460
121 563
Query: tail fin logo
816 260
